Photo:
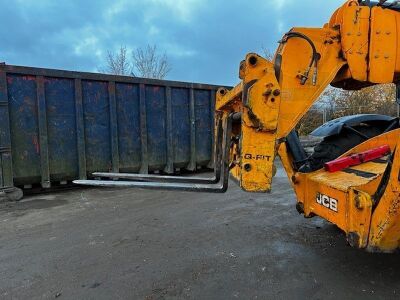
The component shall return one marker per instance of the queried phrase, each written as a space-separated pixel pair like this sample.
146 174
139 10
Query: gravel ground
137 244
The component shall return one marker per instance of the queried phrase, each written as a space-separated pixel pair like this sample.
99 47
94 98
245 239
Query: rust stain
384 224
35 142
29 77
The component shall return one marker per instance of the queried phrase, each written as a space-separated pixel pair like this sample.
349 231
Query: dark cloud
205 40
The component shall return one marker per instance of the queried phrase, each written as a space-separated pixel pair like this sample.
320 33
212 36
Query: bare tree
268 53
335 103
376 99
149 64
118 62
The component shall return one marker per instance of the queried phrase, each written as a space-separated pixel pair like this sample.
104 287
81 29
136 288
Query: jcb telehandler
352 179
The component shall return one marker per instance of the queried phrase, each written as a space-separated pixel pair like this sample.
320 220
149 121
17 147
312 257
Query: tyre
334 146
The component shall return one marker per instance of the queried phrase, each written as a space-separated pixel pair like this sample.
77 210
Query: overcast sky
204 39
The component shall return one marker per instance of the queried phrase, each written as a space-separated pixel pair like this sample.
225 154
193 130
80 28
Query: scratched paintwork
155 129
24 127
343 180
61 128
204 121
97 126
128 111
181 125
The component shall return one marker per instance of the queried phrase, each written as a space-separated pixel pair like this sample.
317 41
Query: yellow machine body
358 47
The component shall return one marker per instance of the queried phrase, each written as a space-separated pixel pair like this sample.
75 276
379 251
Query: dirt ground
138 244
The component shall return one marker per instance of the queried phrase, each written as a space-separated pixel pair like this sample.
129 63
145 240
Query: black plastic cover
335 127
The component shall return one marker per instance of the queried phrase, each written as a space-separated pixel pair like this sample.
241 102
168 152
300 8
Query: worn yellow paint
343 181
297 99
225 98
385 223
355 40
383 46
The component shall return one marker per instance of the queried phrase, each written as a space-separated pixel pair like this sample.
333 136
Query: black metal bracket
296 149
216 184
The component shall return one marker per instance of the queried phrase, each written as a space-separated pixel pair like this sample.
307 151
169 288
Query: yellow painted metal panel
355 40
383 45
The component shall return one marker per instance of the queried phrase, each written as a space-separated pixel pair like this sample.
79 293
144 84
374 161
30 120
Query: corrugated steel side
61 125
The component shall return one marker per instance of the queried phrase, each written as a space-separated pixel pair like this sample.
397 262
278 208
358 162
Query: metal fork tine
178 179
217 184
157 178
155 185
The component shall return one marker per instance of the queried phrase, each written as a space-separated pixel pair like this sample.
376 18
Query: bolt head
277 92
247 167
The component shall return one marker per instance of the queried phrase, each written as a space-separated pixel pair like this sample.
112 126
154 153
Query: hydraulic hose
314 59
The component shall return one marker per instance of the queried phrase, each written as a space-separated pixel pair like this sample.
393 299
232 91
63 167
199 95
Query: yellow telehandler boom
352 179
